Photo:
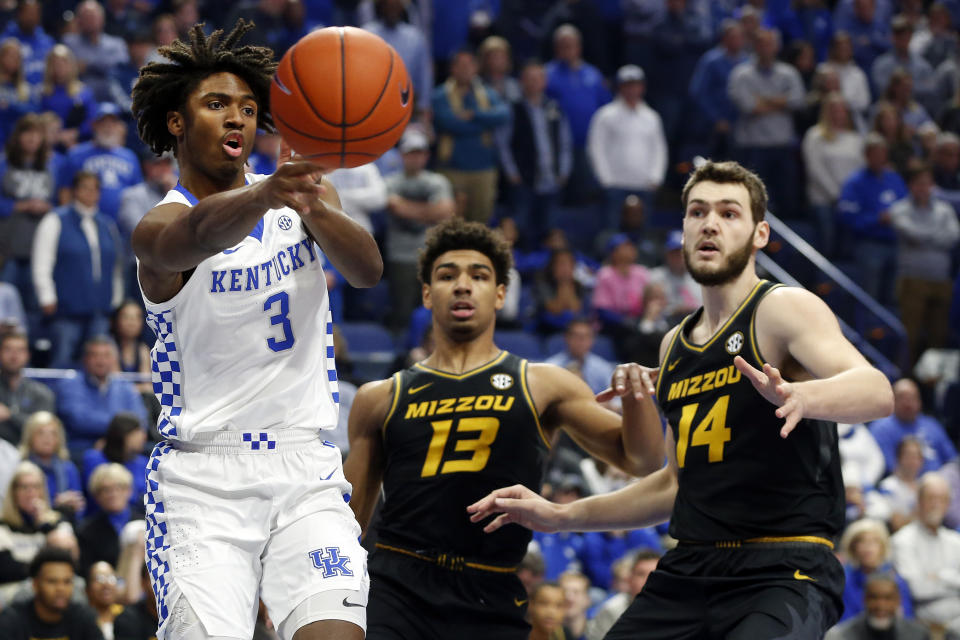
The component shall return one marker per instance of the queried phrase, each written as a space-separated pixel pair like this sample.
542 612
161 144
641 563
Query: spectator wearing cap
901 57
832 150
466 113
578 339
618 294
63 93
116 166
411 46
416 199
35 43
97 52
868 29
708 88
579 89
536 155
766 93
77 269
864 212
627 145
927 231
683 293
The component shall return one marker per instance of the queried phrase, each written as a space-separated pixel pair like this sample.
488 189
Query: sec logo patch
501 381
735 343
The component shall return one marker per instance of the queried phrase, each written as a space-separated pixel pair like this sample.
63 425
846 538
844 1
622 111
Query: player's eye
215 104
250 111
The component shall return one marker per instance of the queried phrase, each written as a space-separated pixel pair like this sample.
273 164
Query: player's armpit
364 465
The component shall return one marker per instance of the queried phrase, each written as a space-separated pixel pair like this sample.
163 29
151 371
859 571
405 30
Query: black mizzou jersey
451 439
738 479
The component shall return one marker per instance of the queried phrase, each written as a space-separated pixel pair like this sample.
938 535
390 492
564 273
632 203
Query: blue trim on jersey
157 543
257 231
165 368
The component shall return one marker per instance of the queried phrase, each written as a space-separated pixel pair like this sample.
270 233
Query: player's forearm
642 436
224 219
857 395
350 248
642 504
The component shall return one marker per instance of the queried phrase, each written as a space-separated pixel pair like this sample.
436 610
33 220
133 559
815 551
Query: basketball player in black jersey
752 486
445 432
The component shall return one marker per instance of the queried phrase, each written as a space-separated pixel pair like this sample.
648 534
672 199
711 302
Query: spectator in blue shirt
579 89
89 401
35 43
714 111
411 46
16 95
466 114
64 94
864 211
808 20
123 443
868 32
115 165
595 371
907 420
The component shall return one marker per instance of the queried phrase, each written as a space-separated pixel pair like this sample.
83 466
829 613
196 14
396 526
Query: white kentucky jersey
247 343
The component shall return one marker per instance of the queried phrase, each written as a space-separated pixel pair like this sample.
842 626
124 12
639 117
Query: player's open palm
771 385
516 504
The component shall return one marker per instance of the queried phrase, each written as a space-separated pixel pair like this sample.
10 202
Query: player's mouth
233 144
708 248
462 310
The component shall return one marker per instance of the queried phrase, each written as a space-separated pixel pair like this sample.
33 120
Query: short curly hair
164 86
456 234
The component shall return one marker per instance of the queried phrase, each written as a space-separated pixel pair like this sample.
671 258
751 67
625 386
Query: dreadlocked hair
165 86
456 234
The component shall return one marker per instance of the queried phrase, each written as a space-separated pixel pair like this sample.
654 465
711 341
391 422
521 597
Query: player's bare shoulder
785 311
371 406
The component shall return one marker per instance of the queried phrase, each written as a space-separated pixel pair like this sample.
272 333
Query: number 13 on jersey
712 431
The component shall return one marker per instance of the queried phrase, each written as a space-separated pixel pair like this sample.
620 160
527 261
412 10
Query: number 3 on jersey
281 318
712 431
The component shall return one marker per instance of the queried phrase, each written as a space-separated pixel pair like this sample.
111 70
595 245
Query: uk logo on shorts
330 562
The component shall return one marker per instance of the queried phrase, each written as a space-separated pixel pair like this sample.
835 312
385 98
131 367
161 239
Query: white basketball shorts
239 515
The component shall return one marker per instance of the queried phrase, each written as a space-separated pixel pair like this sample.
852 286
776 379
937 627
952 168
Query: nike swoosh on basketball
519 602
347 603
413 390
672 365
799 576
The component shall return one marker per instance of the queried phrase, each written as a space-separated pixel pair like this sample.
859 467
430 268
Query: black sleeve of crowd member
11 570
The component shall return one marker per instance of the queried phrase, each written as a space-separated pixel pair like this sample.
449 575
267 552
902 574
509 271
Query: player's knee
340 614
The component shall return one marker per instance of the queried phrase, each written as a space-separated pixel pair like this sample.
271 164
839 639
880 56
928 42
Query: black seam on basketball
376 103
343 98
303 94
304 134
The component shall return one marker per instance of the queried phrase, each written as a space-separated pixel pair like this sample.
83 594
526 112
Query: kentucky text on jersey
270 272
701 383
458 405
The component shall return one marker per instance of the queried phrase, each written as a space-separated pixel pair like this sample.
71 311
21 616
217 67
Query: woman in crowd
888 123
64 94
25 520
44 443
559 296
126 327
865 545
123 444
16 95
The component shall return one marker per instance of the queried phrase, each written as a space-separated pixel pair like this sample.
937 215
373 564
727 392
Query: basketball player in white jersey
245 498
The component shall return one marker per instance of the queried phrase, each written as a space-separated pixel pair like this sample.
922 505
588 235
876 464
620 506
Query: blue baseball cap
674 240
105 109
615 241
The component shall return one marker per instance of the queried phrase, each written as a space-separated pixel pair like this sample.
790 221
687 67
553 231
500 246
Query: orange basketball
341 97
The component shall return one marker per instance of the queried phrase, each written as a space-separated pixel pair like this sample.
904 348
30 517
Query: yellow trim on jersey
753 326
446 560
529 399
461 376
397 386
719 332
666 356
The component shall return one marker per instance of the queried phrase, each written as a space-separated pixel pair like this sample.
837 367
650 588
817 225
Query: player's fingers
606 395
619 377
647 382
487 502
498 522
753 374
772 373
635 382
792 419
298 168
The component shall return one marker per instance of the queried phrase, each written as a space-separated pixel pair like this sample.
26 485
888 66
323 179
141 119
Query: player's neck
201 184
720 302
457 357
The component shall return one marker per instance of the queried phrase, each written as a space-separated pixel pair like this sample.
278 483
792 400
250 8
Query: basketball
341 97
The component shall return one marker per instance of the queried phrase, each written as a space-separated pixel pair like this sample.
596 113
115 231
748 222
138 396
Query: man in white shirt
627 146
927 554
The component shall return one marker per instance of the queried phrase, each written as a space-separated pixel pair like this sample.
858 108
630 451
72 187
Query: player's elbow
367 272
884 399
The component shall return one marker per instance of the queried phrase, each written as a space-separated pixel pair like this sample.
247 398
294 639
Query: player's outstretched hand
294 185
776 390
630 378
516 504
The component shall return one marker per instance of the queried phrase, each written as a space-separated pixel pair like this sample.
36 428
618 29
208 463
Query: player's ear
425 295
175 123
761 234
501 296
